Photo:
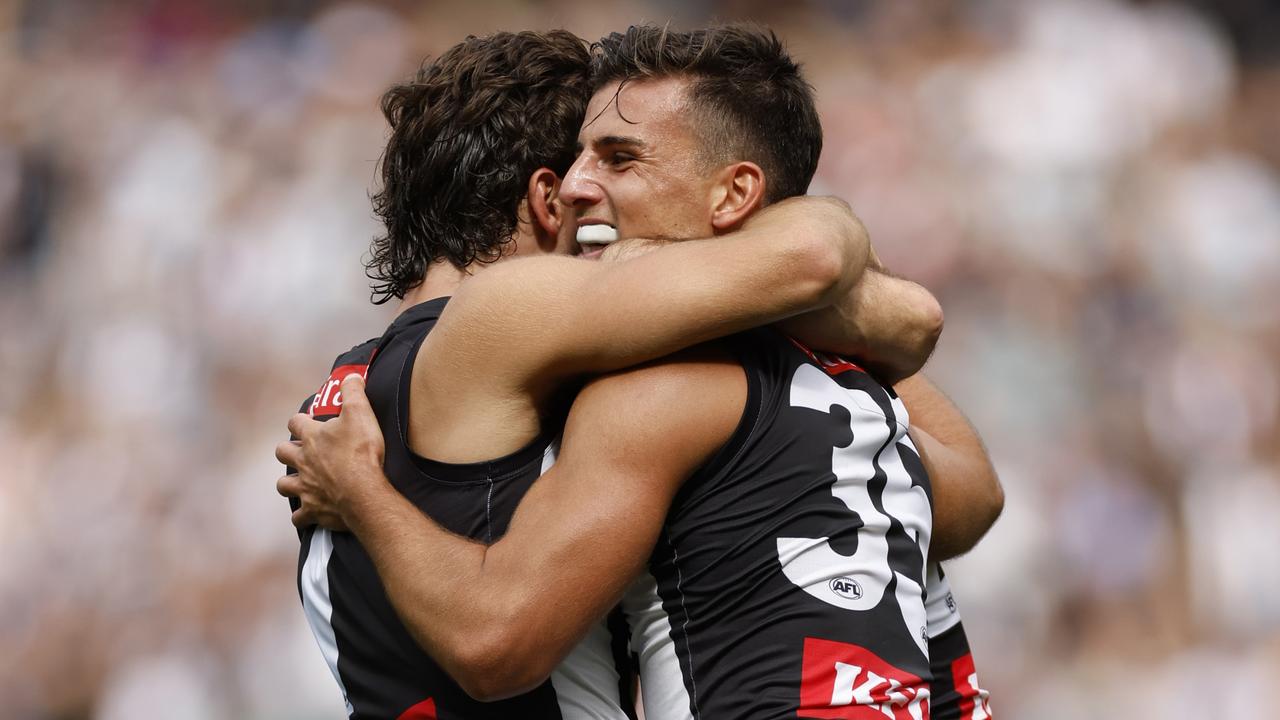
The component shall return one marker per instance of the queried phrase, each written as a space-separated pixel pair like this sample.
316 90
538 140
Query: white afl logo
847 588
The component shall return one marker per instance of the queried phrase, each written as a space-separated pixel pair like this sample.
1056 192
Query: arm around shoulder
574 317
889 323
499 619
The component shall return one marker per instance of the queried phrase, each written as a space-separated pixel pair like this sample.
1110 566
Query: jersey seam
488 514
749 426
684 629
400 432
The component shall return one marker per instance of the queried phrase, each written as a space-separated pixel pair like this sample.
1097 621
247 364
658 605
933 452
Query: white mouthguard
597 234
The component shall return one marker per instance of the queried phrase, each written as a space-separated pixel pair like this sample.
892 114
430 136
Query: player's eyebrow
608 140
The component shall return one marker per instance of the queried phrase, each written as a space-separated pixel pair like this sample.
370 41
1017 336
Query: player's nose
580 188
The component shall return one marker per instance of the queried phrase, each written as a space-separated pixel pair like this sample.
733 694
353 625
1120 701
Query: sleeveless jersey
383 673
788 580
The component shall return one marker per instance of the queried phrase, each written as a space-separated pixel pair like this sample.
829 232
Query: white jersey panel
662 683
586 682
317 604
939 605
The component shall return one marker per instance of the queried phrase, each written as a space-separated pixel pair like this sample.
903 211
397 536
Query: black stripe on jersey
304 535
944 650
623 661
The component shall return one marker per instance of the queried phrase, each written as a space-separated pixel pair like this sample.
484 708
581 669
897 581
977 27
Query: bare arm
571 317
500 618
890 324
967 497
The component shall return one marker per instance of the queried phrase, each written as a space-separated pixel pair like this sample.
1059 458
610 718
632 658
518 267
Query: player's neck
442 279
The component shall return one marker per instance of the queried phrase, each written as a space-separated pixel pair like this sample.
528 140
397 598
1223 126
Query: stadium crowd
1091 187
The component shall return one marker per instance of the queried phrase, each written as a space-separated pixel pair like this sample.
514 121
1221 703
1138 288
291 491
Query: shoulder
512 314
356 360
687 404
518 288
704 371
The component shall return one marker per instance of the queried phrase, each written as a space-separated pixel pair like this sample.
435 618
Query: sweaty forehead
653 105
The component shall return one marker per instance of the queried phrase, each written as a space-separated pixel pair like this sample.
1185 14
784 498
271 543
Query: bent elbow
931 322
494 667
818 270
832 256
924 331
995 500
491 686
987 507
935 319
916 339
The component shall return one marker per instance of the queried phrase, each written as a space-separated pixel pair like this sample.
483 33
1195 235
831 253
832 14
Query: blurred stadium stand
1090 186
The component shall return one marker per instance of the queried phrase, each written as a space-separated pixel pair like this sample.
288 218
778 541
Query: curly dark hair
752 102
466 134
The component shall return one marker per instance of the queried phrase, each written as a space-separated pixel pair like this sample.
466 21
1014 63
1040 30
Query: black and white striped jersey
788 580
383 673
954 692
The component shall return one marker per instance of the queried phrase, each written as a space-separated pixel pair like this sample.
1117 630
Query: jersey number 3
859 581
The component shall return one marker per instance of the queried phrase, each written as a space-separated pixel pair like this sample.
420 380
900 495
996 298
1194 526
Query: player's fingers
289 486
288 453
300 424
301 518
354 402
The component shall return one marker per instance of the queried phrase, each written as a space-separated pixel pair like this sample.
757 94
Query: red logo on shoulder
846 682
832 364
328 399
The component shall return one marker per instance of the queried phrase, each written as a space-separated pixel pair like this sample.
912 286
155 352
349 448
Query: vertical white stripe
586 682
318 605
549 456
662 679
939 606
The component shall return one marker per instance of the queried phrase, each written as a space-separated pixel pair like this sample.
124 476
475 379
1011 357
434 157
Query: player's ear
737 193
544 206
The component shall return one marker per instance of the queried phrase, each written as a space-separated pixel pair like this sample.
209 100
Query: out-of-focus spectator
1091 186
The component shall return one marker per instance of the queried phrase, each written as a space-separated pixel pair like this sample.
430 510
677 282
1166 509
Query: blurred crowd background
1092 187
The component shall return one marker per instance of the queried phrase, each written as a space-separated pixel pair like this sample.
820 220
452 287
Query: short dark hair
752 101
466 134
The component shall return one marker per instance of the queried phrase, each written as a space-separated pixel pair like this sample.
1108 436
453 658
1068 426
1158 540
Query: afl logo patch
847 588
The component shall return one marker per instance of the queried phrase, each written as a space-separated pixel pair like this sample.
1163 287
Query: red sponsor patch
425 710
832 364
328 399
975 703
848 682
